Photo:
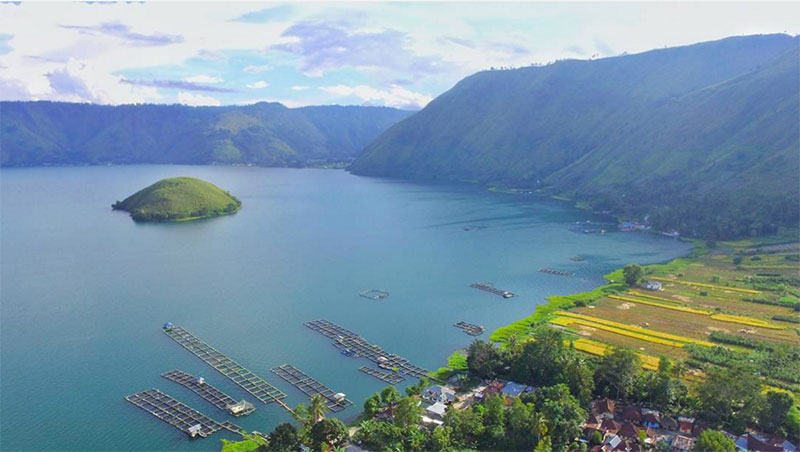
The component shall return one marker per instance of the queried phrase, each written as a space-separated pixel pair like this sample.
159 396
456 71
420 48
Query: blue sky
394 54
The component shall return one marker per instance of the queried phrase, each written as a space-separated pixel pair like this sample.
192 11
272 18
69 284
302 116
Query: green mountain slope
658 134
53 133
178 199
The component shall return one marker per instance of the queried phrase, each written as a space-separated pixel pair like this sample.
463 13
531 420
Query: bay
84 290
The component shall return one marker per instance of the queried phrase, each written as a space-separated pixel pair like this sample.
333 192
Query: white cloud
202 78
466 37
196 99
258 85
396 96
257 69
299 88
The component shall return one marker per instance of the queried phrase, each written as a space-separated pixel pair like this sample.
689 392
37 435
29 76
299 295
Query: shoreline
542 313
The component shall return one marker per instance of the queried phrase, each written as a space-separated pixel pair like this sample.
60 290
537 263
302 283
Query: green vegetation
632 274
179 199
750 379
702 139
57 133
714 441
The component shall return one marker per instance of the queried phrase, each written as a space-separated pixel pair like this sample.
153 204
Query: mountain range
701 138
56 133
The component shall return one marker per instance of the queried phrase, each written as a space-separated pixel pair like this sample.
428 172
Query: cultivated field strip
634 331
707 286
674 307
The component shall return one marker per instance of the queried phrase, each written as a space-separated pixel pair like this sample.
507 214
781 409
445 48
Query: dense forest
57 133
702 138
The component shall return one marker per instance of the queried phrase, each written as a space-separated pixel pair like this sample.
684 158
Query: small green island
179 199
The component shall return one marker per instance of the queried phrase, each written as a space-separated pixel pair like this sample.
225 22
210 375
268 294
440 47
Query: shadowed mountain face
688 135
54 133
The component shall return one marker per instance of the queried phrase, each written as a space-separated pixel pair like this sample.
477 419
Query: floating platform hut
177 414
210 394
550 271
310 386
247 380
374 294
471 329
489 287
576 259
346 339
386 377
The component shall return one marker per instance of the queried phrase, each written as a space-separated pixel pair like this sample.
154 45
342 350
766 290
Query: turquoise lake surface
84 290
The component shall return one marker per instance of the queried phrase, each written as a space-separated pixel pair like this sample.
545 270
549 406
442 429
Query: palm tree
513 344
539 423
317 408
301 415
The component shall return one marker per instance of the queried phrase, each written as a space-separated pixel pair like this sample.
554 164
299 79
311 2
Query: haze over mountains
54 133
702 138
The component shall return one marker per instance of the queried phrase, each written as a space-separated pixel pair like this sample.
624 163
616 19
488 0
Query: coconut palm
317 408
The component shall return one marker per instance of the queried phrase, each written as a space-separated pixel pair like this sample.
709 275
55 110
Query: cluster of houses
633 226
632 429
609 427
438 397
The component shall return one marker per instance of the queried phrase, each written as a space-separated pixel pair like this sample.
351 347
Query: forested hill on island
55 133
702 138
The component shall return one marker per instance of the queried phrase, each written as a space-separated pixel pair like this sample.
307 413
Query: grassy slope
649 130
179 199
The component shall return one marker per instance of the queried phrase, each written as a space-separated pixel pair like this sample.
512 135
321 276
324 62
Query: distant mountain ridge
57 133
701 138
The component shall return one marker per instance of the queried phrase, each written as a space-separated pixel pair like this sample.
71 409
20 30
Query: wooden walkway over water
346 339
247 380
387 377
310 386
210 394
177 414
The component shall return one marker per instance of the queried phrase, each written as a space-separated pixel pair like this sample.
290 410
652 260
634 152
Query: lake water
85 290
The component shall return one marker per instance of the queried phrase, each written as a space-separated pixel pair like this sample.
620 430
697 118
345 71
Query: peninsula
179 199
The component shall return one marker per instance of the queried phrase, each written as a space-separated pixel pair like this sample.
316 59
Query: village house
763 443
436 411
632 414
651 418
652 285
493 388
682 444
603 408
685 424
437 393
512 390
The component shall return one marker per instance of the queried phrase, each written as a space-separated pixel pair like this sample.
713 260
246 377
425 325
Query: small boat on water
348 352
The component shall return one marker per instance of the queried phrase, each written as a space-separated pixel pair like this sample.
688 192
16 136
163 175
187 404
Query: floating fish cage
375 294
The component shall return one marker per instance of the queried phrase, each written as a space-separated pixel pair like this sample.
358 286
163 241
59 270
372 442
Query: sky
392 54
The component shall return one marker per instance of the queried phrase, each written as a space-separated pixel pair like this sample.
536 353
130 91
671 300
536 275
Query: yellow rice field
565 321
708 286
652 297
747 321
630 329
600 349
674 307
